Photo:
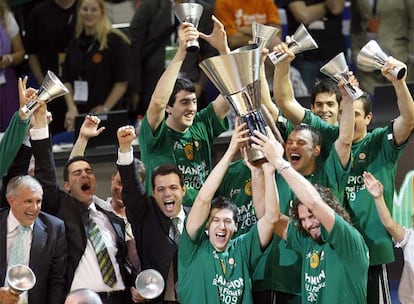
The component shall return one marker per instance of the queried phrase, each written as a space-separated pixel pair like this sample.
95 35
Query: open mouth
169 205
294 157
85 187
221 237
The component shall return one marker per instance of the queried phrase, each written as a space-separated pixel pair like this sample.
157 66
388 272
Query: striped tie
102 254
176 231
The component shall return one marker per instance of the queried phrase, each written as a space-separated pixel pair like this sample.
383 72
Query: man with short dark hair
96 238
172 131
156 220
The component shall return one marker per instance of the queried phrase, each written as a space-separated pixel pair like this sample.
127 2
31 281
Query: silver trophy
20 278
237 77
51 88
150 284
371 57
189 12
338 70
263 34
300 41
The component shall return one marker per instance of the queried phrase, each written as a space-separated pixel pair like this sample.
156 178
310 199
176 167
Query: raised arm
303 189
165 85
218 39
375 188
88 130
201 207
346 126
16 130
283 89
404 123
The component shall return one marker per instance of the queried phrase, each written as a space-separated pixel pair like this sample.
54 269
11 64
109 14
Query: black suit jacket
70 210
48 258
149 224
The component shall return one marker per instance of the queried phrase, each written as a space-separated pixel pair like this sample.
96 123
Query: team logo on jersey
248 188
97 58
189 151
314 260
362 156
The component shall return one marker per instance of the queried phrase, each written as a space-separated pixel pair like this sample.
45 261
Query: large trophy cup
371 57
263 34
20 278
237 77
189 12
338 70
51 88
300 41
149 284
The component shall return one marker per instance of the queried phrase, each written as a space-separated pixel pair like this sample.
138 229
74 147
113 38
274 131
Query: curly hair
329 198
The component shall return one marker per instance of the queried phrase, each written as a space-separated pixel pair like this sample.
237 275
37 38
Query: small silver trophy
300 41
51 88
149 283
338 70
20 278
189 12
263 34
371 57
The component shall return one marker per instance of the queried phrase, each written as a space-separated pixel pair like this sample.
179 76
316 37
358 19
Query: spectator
238 15
323 19
11 55
154 34
97 67
50 28
35 239
390 23
334 255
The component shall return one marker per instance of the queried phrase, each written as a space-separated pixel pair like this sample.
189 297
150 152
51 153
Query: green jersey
377 154
206 276
190 151
287 265
237 185
11 141
335 271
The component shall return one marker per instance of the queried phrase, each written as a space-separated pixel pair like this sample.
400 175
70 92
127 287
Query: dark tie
102 254
176 231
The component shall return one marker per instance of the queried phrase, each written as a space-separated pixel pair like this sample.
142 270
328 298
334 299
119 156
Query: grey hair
25 181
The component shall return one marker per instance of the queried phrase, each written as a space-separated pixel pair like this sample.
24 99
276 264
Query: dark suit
71 211
150 226
48 258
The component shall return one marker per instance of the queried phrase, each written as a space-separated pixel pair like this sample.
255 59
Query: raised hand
374 186
90 128
269 146
126 135
218 37
25 95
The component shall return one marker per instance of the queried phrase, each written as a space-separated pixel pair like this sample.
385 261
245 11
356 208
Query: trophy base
255 156
193 46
